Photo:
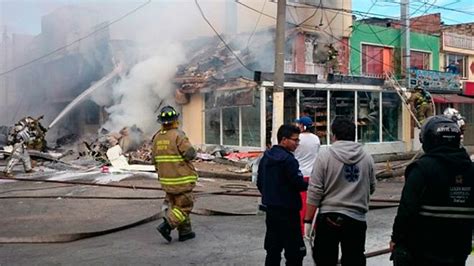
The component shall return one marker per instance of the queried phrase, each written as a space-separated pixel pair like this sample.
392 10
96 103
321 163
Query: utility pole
279 74
405 20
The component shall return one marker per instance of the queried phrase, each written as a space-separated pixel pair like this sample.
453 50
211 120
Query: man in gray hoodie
340 185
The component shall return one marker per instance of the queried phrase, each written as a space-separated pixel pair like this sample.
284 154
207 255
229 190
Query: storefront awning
451 98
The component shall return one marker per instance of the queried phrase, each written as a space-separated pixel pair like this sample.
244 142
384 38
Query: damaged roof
212 66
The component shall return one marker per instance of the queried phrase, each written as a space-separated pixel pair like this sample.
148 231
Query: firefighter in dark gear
172 154
19 138
434 221
420 102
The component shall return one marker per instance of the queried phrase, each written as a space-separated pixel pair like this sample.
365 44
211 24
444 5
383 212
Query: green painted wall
371 34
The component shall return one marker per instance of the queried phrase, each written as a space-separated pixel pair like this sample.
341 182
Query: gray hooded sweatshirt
342 180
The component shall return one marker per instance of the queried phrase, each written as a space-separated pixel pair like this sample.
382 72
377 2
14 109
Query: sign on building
435 80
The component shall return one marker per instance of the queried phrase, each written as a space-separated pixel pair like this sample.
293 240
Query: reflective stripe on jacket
172 153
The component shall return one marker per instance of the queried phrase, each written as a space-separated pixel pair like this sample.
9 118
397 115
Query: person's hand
391 246
307 230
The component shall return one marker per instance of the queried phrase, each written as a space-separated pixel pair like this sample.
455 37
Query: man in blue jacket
280 182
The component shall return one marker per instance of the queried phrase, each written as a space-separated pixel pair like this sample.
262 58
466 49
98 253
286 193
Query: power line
364 13
338 39
77 40
452 9
220 37
256 24
399 36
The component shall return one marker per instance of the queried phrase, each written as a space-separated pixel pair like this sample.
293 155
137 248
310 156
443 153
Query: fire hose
231 190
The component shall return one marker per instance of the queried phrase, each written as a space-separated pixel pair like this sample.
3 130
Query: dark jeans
283 233
335 228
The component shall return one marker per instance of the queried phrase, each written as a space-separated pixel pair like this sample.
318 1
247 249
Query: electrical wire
220 37
338 39
77 40
312 15
389 44
256 24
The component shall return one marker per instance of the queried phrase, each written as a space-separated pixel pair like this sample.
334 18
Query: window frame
462 73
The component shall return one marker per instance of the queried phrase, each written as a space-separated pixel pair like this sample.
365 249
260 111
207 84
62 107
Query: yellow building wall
193 119
406 129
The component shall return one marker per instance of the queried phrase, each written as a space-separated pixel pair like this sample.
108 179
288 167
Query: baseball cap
305 121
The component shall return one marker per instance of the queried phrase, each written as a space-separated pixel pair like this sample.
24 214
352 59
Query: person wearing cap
172 154
306 154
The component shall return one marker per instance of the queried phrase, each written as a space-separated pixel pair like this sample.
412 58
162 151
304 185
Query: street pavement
221 240
235 239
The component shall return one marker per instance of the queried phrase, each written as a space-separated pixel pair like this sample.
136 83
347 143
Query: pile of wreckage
125 151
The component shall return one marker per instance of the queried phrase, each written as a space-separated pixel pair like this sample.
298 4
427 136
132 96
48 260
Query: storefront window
212 126
391 117
227 125
342 104
314 104
289 114
251 124
368 116
230 126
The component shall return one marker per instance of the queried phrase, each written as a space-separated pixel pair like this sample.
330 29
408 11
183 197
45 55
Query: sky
24 16
452 11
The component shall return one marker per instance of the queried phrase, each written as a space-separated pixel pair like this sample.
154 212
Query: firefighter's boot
185 230
186 236
165 230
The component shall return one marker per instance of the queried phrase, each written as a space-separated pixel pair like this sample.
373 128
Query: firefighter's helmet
439 131
167 115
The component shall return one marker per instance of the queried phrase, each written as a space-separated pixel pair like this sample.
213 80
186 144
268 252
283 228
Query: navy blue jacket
279 179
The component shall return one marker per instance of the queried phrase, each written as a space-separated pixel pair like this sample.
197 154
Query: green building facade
372 35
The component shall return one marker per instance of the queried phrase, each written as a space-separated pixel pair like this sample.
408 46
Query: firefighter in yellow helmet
172 154
420 102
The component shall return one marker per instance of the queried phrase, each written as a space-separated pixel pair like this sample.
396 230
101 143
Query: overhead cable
77 40
220 37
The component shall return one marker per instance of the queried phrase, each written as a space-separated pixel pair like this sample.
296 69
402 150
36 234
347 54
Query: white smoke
138 94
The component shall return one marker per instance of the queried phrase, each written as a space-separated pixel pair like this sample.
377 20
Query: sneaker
187 236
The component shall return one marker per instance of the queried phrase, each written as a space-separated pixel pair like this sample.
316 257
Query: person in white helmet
19 138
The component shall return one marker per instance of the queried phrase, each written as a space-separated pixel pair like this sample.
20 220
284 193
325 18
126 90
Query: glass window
230 126
289 114
342 104
268 117
391 117
223 124
420 60
314 104
251 123
212 126
456 64
368 115
376 60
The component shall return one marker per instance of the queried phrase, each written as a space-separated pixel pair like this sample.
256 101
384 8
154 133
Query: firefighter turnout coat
172 154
